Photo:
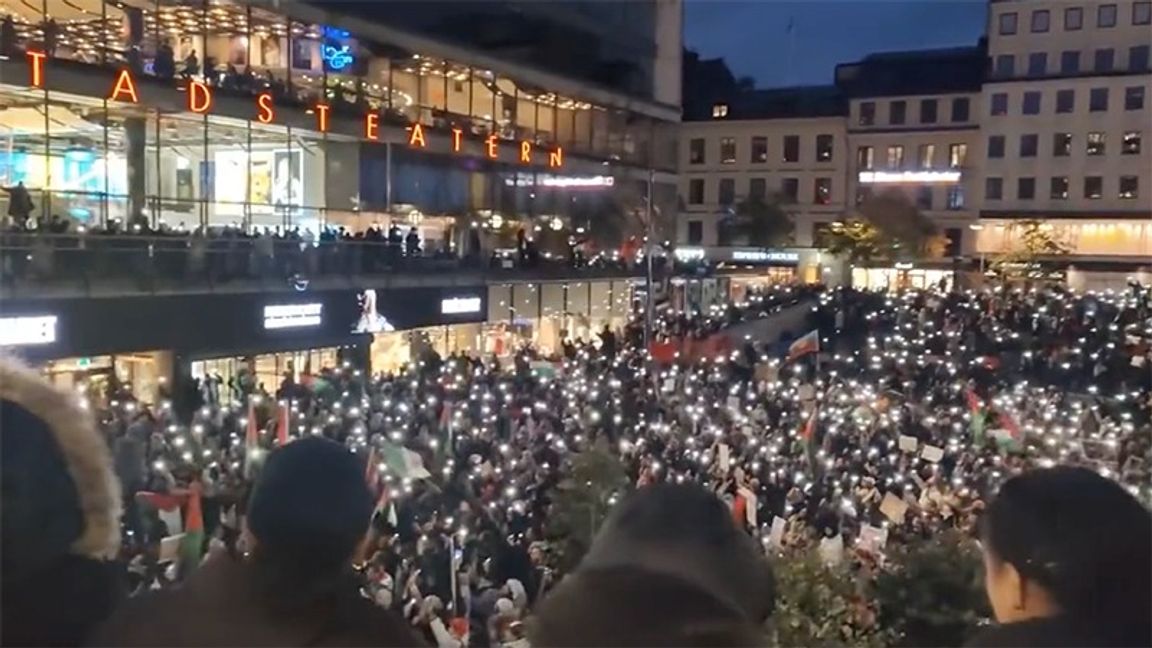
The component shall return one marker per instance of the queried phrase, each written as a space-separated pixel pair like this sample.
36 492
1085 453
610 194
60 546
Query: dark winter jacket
1061 632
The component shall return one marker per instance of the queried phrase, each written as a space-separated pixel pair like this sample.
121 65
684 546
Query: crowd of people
481 479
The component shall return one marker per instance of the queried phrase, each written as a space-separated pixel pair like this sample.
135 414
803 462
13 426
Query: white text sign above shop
459 305
282 316
20 331
897 177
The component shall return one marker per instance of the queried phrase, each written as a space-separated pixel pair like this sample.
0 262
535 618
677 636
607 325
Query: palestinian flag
809 343
976 416
404 463
192 547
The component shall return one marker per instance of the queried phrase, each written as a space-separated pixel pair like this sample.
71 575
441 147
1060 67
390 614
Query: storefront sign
284 316
896 177
460 305
765 256
575 182
689 254
200 100
19 331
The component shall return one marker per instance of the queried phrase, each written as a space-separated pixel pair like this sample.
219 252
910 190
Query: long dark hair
1086 541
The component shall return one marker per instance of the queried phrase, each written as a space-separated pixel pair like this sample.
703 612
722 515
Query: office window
1025 188
928 111
1138 58
1070 62
1098 100
1029 144
696 191
1134 98
865 158
726 195
695 232
1065 101
791 146
897 112
1040 20
1058 189
790 189
1106 15
1037 63
1104 60
993 188
960 109
1130 145
823 148
957 154
719 111
1073 18
1007 23
1031 103
924 156
1129 186
822 191
727 150
955 199
1062 144
1005 66
867 113
1141 13
1093 187
1096 143
995 147
895 156
696 151
758 188
999 104
924 197
759 149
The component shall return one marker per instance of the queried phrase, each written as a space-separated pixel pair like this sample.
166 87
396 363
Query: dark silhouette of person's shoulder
1056 632
361 622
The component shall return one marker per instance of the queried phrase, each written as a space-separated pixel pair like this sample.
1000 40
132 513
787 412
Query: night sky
752 35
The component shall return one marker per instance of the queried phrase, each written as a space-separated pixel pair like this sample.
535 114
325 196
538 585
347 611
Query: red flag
809 343
252 433
371 472
973 401
810 426
282 424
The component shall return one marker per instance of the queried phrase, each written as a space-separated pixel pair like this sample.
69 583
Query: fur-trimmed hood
84 453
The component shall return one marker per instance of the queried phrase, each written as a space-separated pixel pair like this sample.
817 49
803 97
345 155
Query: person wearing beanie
60 515
308 517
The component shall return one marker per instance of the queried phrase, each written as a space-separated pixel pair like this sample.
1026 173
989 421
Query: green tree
819 605
759 222
855 239
886 227
1028 242
582 501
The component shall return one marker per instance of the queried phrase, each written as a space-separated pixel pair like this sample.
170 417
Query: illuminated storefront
545 314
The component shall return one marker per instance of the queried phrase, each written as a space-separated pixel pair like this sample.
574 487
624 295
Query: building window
1005 66
695 232
1065 101
696 151
1106 16
995 147
1096 143
895 156
955 198
957 154
1134 98
897 112
1029 144
924 155
1025 188
1073 19
924 197
1098 100
1059 188
1129 186
993 188
759 149
960 110
1040 19
790 189
727 192
1093 187
1130 145
1031 103
696 191
1008 23
719 111
1141 13
1037 63
823 148
1062 144
865 158
758 188
1104 60
1138 58
867 113
999 104
791 148
727 150
822 191
928 111
1070 62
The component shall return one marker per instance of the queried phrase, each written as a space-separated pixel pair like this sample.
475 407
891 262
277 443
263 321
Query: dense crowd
905 417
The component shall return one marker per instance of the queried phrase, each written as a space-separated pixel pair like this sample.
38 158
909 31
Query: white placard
907 443
776 534
932 453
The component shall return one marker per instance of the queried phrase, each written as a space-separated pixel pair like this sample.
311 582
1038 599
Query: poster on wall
287 185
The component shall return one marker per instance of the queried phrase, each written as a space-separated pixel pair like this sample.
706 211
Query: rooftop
954 69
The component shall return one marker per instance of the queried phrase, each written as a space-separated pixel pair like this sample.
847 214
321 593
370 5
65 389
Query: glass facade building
211 113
